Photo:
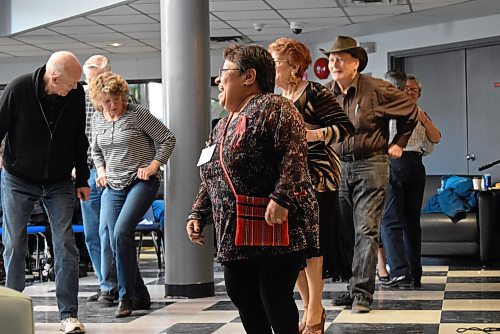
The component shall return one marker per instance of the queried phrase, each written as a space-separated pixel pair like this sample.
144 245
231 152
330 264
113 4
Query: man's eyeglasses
411 90
223 70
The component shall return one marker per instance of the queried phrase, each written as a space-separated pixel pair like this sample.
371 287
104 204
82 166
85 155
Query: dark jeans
262 290
58 199
401 232
362 196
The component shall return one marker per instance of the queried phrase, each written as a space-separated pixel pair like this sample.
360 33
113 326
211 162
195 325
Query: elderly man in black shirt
42 117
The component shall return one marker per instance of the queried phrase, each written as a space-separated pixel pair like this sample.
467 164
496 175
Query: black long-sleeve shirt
36 150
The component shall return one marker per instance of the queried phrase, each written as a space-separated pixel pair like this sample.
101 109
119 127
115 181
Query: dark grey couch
477 236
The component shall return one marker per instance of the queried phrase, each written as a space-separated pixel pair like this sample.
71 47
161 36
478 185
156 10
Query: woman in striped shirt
123 149
326 124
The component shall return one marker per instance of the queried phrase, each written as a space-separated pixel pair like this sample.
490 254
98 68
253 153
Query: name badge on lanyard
206 155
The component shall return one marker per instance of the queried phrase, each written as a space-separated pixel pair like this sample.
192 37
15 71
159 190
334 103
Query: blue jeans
97 237
401 232
122 210
362 194
58 199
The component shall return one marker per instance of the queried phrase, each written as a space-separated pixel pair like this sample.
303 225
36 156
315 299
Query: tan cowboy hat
349 45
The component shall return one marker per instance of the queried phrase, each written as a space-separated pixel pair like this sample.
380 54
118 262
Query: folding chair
149 226
37 231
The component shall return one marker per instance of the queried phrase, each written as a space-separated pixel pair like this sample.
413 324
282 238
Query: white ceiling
136 24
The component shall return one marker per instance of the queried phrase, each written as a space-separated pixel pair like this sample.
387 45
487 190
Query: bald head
94 66
62 73
61 62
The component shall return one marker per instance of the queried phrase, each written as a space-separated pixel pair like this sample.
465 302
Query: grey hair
396 78
412 77
99 61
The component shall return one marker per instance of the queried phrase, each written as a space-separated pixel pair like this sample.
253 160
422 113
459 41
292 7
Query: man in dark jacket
42 117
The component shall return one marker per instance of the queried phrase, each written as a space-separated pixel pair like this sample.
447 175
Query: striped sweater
322 112
125 145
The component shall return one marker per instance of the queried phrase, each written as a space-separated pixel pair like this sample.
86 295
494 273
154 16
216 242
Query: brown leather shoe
125 308
94 297
107 298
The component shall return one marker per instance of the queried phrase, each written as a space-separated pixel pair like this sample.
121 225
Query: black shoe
125 308
94 297
142 304
383 279
82 270
343 299
107 298
398 281
360 304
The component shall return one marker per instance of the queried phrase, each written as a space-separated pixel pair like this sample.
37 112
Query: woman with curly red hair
326 124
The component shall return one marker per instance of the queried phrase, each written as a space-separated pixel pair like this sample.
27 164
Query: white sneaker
72 325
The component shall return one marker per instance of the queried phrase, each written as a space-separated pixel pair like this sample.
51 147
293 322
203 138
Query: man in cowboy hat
370 104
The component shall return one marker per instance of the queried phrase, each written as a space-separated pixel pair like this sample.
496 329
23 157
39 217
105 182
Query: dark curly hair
256 57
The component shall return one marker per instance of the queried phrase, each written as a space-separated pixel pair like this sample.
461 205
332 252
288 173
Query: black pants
336 238
401 232
262 290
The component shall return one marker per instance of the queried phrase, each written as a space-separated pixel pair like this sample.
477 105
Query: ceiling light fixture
115 45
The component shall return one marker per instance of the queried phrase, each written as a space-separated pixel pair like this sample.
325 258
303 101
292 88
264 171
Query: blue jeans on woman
121 211
58 199
97 237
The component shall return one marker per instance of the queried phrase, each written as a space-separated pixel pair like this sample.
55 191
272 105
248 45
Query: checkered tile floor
451 297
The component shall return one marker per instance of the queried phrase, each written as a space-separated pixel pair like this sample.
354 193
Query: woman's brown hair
107 83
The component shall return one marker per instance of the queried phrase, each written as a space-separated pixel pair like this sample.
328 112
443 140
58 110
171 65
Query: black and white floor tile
452 297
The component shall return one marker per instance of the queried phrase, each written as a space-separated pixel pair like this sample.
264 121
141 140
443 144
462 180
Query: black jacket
34 152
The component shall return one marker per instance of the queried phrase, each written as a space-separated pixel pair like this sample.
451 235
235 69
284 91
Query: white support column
186 83
5 17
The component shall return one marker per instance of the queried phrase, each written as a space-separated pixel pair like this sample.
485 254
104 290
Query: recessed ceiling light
115 44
